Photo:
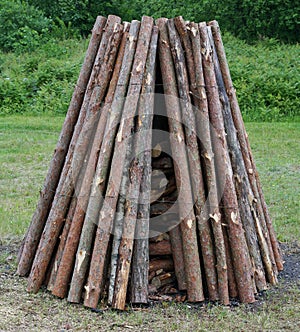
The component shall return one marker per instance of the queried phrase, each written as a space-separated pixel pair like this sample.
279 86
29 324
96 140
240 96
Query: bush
21 26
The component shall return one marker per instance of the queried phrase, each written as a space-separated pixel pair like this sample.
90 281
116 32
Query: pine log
121 145
140 259
62 243
246 150
216 278
232 287
160 208
160 237
163 280
163 223
257 244
89 224
197 183
67 261
187 216
178 257
142 142
241 259
32 237
118 227
160 248
65 189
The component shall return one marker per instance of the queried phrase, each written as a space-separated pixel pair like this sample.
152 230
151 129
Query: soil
17 303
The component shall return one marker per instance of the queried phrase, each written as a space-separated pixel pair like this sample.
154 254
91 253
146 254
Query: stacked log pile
124 215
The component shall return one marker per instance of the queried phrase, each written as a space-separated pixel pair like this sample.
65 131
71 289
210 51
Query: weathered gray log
238 243
67 182
140 259
32 237
183 182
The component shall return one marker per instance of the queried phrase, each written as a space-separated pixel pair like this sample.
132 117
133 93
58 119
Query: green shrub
21 26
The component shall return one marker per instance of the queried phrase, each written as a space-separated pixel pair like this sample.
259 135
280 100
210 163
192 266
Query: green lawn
26 145
27 142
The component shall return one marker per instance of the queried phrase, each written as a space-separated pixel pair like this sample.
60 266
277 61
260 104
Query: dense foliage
46 52
246 19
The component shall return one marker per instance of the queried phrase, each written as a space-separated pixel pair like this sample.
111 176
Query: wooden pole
257 245
67 262
31 240
121 144
187 216
140 259
246 149
66 186
241 259
212 253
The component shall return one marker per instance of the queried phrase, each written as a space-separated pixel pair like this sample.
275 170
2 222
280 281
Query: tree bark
62 243
220 286
65 188
187 216
246 150
67 262
142 142
256 245
31 240
121 146
140 260
240 253
178 257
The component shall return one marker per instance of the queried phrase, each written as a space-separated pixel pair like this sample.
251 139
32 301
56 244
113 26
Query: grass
26 145
27 142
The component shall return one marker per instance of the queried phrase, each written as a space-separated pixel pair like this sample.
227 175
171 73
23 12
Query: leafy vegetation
41 51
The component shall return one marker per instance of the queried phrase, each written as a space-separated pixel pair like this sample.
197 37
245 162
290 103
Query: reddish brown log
31 240
216 278
187 217
261 206
232 287
62 243
178 258
240 253
66 186
120 148
165 264
256 244
67 261
160 248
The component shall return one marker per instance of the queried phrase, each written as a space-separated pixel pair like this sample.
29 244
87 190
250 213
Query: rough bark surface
39 218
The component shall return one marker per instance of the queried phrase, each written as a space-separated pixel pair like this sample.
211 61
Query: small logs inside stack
152 188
